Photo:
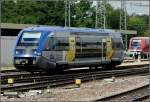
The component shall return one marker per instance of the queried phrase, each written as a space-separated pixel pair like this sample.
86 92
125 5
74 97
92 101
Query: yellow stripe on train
72 49
109 51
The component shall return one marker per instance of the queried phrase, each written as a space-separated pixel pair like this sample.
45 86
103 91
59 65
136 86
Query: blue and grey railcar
46 48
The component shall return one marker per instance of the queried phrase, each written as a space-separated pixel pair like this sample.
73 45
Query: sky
133 6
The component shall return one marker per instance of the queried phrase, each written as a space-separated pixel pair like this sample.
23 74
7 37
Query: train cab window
29 39
136 42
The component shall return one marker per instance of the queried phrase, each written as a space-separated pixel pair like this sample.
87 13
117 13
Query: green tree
53 13
138 24
113 18
34 12
82 14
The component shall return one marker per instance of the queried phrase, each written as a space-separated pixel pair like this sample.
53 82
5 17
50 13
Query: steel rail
18 75
142 98
135 94
58 80
36 77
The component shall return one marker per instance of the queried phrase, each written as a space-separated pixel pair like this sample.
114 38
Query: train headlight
17 61
35 52
39 54
33 61
26 61
17 52
134 50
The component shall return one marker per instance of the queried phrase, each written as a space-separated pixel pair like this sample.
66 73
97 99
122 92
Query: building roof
22 26
15 26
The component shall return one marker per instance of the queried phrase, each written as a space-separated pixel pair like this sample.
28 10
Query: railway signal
10 81
78 82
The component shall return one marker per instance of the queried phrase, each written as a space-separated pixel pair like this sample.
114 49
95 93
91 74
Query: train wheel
31 72
53 71
50 72
110 66
96 67
91 68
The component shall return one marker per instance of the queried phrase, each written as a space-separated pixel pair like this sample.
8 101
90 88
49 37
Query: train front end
28 50
139 46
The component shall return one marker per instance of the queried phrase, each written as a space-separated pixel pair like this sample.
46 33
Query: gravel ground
87 92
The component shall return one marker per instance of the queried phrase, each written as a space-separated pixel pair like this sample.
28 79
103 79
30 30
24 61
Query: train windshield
135 42
29 39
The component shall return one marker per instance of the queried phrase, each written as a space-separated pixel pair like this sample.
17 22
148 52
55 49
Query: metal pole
69 12
96 15
125 23
149 17
100 20
149 44
0 35
104 22
123 19
65 13
104 14
102 49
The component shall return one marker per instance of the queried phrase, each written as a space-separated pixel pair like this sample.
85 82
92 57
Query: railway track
40 82
136 94
144 98
19 75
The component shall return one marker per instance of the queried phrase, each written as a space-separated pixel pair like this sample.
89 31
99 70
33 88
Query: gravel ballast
89 91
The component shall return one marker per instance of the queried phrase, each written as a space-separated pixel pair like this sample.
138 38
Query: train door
71 52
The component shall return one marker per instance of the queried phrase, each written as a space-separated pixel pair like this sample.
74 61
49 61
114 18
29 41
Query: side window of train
57 44
91 43
62 44
46 48
78 44
49 44
147 42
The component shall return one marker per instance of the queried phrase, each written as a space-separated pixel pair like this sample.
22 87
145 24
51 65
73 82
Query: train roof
140 38
71 29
